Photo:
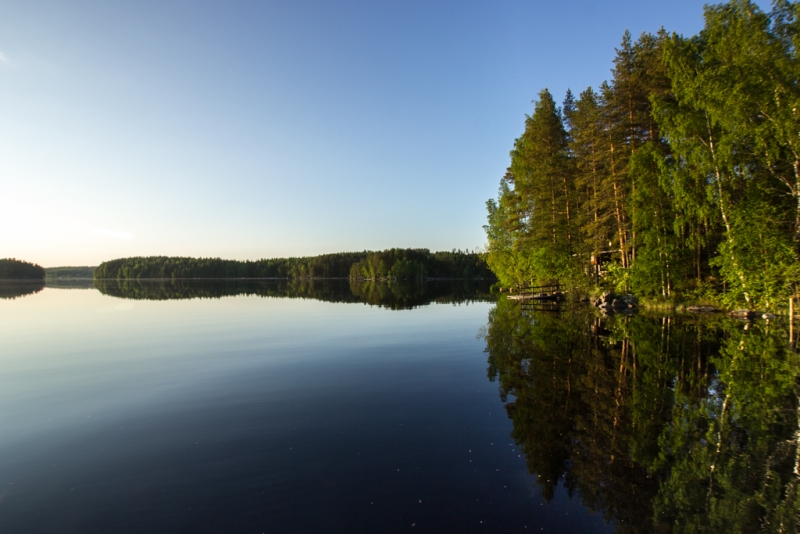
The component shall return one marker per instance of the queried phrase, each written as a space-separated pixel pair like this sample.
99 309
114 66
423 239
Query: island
14 269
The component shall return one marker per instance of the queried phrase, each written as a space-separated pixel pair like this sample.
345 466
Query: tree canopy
13 269
402 264
679 176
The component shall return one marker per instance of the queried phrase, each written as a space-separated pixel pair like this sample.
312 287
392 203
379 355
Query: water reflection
666 424
12 290
395 295
257 415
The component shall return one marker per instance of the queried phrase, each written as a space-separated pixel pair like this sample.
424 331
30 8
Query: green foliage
659 257
505 257
681 173
394 263
731 85
67 273
13 269
403 264
531 228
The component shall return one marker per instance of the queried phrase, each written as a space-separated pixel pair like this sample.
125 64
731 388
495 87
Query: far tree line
14 269
406 264
679 177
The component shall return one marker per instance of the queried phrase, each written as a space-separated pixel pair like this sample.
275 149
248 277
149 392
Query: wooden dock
548 292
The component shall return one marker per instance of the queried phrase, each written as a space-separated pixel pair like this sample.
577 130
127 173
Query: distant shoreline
428 279
399 264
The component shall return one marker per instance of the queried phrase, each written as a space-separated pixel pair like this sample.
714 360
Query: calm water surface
253 413
192 406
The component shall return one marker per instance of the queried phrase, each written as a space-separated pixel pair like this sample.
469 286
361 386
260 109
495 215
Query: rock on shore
611 302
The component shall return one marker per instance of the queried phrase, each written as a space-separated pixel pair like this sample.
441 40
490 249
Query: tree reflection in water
397 295
662 424
16 289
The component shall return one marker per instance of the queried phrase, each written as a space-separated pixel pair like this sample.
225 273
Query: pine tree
680 174
586 132
543 188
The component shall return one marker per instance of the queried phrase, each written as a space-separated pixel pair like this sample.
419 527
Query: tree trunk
724 212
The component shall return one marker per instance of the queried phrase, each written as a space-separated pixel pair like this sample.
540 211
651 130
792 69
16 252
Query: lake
325 406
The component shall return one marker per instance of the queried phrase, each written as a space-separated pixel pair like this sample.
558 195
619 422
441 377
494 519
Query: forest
68 273
392 264
13 269
678 179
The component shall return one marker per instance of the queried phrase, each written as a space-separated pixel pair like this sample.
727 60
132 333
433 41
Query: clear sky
279 128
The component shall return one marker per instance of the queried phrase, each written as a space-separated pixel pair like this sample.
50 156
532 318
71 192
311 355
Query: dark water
325 407
662 424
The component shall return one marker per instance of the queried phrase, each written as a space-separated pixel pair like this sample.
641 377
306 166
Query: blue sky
266 129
